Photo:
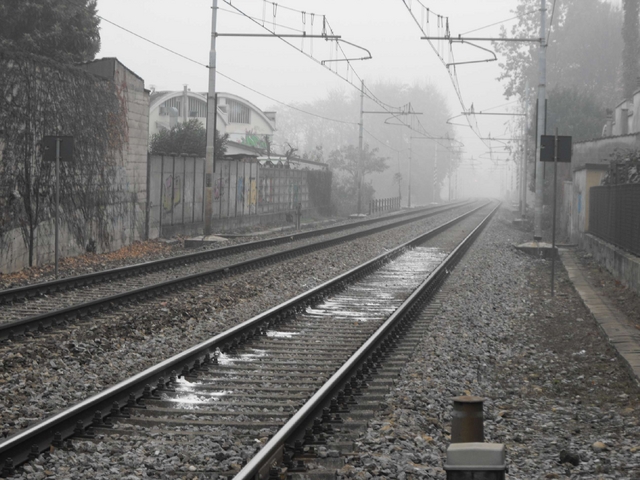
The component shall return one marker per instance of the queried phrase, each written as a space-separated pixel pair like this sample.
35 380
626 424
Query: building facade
245 123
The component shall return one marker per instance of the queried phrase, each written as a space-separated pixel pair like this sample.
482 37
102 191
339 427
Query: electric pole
435 195
360 149
525 157
212 110
542 94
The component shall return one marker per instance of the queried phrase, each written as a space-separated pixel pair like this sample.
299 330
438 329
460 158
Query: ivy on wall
40 97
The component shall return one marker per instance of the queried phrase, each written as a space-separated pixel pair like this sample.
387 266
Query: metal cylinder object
467 422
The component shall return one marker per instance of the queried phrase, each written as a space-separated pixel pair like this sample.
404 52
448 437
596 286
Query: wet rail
40 313
268 375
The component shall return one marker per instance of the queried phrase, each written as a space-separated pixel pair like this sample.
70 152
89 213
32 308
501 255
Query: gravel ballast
50 372
557 395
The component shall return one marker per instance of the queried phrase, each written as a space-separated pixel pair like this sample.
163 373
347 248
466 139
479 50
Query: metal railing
614 215
384 205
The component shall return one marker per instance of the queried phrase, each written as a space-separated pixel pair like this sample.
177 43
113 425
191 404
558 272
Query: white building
245 123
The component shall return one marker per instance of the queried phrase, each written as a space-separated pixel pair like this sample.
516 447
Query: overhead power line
226 76
443 22
339 49
394 111
500 22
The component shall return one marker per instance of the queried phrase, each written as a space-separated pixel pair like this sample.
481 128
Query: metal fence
614 215
240 188
176 191
246 188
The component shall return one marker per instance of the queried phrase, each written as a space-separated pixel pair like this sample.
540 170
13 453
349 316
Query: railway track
306 373
39 307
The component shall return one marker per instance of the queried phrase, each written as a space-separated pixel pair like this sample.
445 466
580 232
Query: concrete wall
583 179
132 176
599 151
622 265
133 172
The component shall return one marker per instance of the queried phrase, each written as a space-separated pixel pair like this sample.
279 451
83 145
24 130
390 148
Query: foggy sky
275 69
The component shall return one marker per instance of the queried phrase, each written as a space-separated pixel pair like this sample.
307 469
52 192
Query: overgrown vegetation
187 138
41 97
624 168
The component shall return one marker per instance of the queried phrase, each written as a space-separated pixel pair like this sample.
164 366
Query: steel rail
43 288
131 392
259 466
39 323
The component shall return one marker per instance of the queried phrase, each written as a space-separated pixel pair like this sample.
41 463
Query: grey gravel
557 395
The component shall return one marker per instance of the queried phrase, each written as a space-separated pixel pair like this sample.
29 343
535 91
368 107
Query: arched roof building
245 123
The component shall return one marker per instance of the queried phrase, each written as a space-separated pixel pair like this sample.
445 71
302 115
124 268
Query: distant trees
585 49
62 30
350 189
392 135
186 138
584 62
574 113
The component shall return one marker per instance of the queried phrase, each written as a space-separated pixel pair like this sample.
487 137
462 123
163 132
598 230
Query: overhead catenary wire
392 110
285 27
326 29
228 77
451 68
500 22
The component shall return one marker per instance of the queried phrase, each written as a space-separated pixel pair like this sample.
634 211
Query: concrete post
542 93
212 109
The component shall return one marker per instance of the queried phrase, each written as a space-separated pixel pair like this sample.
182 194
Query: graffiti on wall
240 190
172 192
252 140
253 192
218 188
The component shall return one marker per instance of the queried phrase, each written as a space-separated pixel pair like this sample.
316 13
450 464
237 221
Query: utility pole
212 111
409 179
360 149
542 94
525 156
435 195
